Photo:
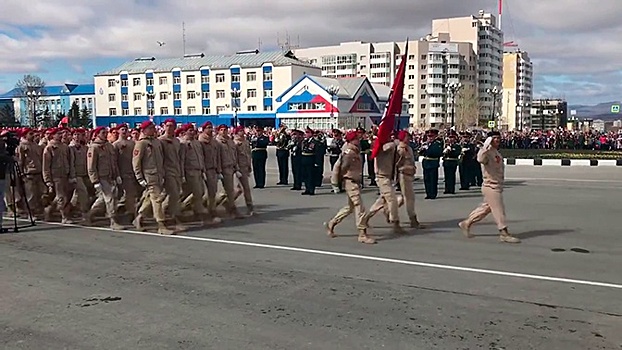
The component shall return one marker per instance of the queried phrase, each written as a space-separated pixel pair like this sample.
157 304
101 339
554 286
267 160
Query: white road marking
361 257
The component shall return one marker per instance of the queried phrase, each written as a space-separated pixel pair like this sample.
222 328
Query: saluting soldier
282 155
104 175
334 151
295 148
348 171
309 163
431 150
131 189
451 156
148 164
57 173
259 146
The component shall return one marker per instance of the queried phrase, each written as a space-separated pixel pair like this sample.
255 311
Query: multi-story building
517 90
483 32
547 114
432 64
198 88
51 100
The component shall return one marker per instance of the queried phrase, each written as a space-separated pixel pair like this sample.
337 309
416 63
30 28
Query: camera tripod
16 181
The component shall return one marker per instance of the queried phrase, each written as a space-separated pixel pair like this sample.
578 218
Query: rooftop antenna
286 44
183 36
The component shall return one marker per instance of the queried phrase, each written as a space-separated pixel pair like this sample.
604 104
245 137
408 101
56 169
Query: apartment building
517 90
198 88
483 32
547 114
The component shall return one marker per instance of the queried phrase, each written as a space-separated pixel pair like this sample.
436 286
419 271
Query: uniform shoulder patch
136 152
90 154
348 151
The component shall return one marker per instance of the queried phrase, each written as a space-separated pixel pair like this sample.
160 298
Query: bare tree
31 84
467 107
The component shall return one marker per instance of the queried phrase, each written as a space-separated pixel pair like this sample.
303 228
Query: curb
561 162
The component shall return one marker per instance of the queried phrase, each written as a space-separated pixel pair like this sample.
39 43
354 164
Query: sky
575 47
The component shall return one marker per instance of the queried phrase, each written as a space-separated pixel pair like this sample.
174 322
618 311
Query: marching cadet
431 150
243 151
334 151
29 159
57 173
193 168
295 148
406 170
213 169
320 151
104 174
348 170
451 156
78 151
282 155
173 172
229 168
467 156
135 134
492 190
385 167
124 148
309 163
259 146
148 165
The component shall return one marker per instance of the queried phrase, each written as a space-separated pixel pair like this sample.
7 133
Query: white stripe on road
364 257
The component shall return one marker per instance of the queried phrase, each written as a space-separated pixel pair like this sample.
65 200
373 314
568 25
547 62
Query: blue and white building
198 88
326 103
57 100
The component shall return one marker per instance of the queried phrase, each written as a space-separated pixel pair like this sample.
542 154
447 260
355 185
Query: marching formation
170 172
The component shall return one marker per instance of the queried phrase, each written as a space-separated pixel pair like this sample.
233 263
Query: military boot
114 224
397 229
414 223
163 230
138 224
87 219
251 209
330 229
47 214
365 238
506 237
179 226
466 229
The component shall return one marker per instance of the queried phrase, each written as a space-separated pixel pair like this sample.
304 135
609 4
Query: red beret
351 135
124 125
402 135
79 130
98 129
188 126
206 124
25 131
146 124
181 130
238 129
222 126
170 120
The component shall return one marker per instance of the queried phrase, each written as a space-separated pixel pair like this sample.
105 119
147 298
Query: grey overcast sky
574 44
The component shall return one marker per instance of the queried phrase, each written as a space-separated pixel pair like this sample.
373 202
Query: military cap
351 135
206 124
98 129
402 135
147 123
222 126
170 120
494 133
432 131
240 128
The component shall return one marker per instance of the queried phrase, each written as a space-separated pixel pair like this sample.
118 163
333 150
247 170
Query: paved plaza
275 281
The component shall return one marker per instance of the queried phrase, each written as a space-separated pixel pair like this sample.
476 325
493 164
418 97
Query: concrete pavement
275 281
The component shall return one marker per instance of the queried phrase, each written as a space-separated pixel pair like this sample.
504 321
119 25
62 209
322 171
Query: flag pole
396 126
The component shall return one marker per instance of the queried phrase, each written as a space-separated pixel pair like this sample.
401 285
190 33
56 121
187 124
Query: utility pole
183 36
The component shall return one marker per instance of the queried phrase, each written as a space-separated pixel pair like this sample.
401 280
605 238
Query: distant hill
599 111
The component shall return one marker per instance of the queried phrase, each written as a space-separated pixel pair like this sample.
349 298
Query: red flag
394 107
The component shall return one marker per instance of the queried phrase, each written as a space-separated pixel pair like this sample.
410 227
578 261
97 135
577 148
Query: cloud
563 37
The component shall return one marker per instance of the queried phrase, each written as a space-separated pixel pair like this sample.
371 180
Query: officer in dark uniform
309 162
432 151
282 155
466 157
259 156
334 150
320 151
478 177
365 145
451 157
295 149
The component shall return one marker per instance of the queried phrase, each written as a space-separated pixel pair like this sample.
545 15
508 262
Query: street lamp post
333 91
495 92
452 89
235 101
150 104
33 98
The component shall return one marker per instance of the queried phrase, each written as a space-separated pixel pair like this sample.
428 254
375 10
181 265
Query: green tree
32 84
85 118
74 114
7 116
467 108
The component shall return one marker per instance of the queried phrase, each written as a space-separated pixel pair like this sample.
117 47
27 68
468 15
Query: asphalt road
275 281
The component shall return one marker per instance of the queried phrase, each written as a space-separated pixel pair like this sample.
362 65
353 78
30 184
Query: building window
267 93
267 76
164 110
192 110
177 111
149 81
206 110
163 95
220 109
251 76
124 82
267 108
124 97
361 106
136 82
235 78
205 95
251 108
112 111
251 93
163 81
205 79
125 111
137 111
176 80
111 97
220 93
137 96
192 94
220 78
190 79
308 106
177 95
111 83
